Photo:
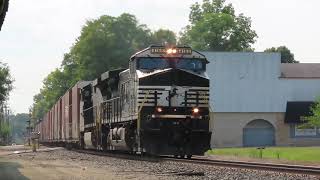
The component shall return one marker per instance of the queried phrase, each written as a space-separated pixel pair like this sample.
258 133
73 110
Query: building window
299 131
305 131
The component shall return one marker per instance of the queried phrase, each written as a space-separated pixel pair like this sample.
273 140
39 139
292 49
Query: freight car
159 106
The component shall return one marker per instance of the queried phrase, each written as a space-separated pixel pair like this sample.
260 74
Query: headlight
195 110
171 51
159 109
174 51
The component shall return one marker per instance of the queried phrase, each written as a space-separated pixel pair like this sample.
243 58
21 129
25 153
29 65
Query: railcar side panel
75 112
63 126
60 119
69 120
55 121
67 115
51 126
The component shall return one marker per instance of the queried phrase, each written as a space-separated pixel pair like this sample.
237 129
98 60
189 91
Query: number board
162 50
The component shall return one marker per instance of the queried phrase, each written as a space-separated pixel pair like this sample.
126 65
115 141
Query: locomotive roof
107 75
160 51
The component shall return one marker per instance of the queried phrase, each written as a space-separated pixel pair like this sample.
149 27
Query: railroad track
284 168
296 169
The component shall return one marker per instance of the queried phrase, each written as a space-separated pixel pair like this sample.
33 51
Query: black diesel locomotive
158 106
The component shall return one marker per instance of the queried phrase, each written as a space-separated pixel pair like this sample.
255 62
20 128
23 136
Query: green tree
215 27
314 120
5 82
286 55
104 44
5 88
19 124
40 106
163 37
5 130
54 86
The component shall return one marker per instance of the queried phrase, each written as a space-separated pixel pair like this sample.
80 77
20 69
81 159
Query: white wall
250 82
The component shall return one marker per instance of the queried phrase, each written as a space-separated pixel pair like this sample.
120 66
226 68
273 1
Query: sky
35 35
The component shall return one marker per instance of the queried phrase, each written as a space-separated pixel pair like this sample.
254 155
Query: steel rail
286 168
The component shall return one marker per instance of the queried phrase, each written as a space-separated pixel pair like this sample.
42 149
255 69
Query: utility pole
1 115
6 121
1 121
29 127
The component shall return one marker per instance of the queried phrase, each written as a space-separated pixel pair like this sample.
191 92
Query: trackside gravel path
63 164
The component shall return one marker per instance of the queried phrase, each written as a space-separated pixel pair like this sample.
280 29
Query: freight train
158 106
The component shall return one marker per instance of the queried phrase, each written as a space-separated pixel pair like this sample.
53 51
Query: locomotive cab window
153 63
190 64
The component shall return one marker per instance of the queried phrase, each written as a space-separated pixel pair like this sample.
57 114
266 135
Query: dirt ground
16 169
36 166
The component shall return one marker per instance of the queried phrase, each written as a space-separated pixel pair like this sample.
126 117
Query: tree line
108 42
5 87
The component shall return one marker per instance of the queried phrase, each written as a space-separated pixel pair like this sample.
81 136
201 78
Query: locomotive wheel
182 156
189 156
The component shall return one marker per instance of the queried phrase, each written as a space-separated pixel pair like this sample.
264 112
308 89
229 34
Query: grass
303 154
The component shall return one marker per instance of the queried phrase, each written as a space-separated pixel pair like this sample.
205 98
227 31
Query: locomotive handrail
89 108
139 116
109 100
140 108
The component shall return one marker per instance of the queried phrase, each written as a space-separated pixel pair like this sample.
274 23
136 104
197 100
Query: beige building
257 101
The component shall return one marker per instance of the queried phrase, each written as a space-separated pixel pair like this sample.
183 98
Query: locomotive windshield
153 63
179 63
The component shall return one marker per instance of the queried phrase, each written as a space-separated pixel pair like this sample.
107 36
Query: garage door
258 133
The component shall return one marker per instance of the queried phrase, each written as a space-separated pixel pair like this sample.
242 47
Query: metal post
1 120
29 127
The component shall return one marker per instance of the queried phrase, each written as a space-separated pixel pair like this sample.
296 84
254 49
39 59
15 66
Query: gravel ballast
137 169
